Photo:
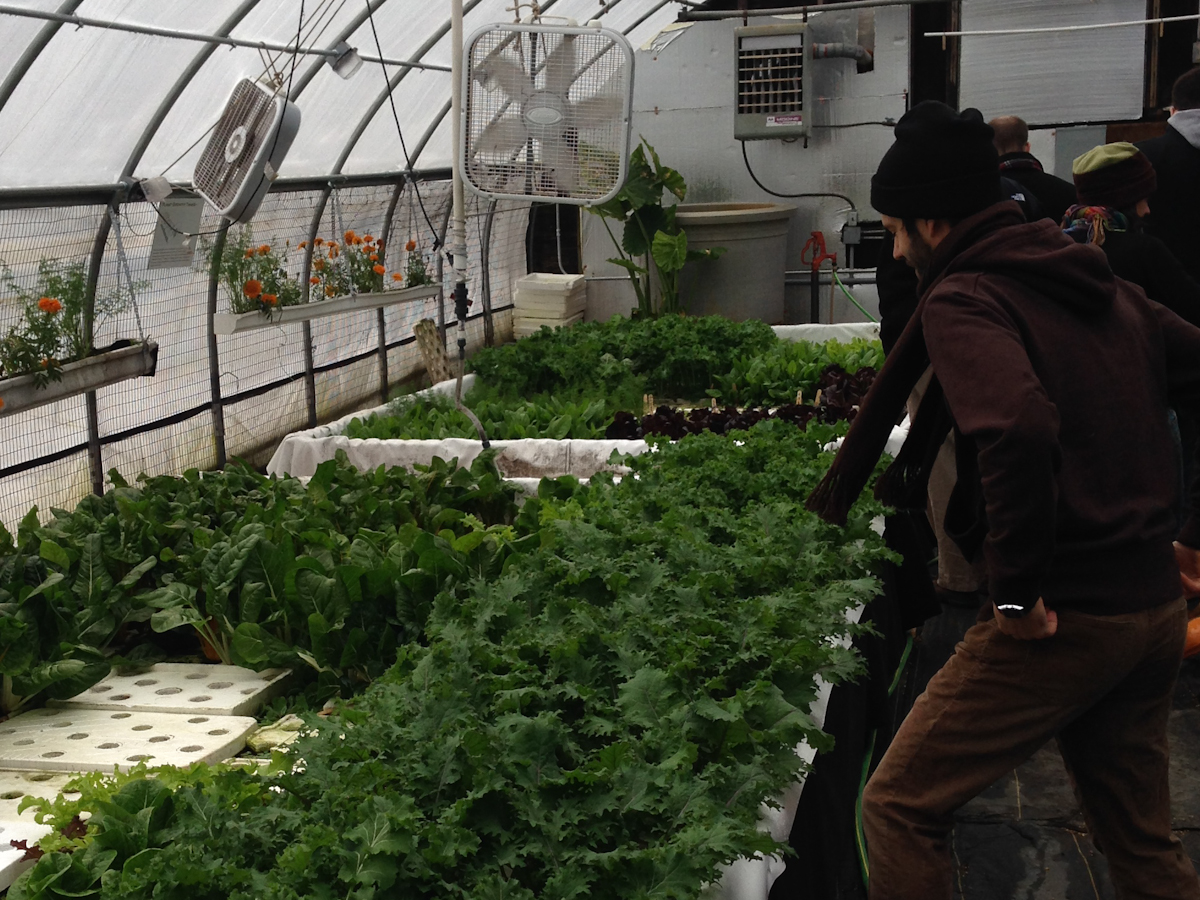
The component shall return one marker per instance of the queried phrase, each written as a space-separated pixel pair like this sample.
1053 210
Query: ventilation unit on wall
773 78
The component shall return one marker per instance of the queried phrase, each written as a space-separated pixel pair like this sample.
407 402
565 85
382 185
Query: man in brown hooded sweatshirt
1055 376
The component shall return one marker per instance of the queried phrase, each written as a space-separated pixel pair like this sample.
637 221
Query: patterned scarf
1089 224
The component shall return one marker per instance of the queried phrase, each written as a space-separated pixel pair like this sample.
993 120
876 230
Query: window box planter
120 362
236 323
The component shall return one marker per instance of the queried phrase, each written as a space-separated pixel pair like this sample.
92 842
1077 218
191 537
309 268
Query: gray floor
1024 838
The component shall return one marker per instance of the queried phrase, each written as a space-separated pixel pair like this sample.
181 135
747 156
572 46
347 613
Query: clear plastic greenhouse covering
83 105
83 109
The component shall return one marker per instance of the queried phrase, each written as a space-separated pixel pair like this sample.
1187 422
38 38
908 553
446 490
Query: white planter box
236 323
21 393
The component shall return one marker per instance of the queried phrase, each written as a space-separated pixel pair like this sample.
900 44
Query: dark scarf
905 482
1020 161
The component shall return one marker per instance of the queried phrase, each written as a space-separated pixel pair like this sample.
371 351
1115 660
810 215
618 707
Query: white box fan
546 112
246 149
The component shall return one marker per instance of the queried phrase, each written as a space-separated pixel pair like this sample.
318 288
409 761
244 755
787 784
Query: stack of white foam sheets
170 714
183 688
543 298
97 740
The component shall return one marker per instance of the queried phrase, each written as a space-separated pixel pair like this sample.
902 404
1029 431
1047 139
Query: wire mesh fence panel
43 254
56 484
250 360
165 306
169 448
257 422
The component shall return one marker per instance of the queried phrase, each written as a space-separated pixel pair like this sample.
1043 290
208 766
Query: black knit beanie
942 166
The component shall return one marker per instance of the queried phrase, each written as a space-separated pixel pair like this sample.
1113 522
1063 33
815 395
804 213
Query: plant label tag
175 236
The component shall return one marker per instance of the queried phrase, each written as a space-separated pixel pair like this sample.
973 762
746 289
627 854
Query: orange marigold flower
252 288
374 257
368 238
333 251
350 237
318 242
410 246
49 305
318 264
264 249
330 290
270 299
314 280
396 276
378 269
302 245
250 253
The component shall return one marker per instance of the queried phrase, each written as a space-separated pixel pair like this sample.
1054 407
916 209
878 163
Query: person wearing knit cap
1113 182
1053 375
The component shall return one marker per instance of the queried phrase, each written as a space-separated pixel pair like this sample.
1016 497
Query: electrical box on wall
772 83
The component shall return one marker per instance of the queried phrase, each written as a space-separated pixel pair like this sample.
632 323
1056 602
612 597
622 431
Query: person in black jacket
1113 182
1011 139
1176 159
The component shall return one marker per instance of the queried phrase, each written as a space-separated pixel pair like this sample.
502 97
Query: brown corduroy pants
1102 686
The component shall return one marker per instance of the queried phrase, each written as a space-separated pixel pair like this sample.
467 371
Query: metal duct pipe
842 50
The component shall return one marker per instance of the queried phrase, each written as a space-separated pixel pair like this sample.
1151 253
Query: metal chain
123 260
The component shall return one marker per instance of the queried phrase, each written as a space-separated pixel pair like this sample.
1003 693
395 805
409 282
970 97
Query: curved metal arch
356 135
310 73
33 51
181 83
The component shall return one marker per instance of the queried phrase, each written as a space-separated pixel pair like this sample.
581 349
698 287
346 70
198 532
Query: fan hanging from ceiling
546 112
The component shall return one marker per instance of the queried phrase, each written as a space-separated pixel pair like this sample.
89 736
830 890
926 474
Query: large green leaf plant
651 231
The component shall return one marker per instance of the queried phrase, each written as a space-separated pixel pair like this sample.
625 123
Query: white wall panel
1081 76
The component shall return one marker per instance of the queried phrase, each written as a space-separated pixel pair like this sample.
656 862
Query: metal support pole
458 245
214 360
96 260
381 318
381 322
310 377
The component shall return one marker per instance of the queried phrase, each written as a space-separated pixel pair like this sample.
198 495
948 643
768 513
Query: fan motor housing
246 149
546 112
772 82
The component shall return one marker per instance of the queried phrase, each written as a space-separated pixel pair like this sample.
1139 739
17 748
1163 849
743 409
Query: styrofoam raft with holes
11 864
186 688
15 786
96 740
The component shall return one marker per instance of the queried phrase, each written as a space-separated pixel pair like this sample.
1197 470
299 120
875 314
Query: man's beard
920 254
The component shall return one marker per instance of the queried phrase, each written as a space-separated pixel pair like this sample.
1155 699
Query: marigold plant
251 271
356 263
51 330
416 267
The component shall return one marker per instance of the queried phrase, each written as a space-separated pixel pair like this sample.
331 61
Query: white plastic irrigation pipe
458 227
1058 29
